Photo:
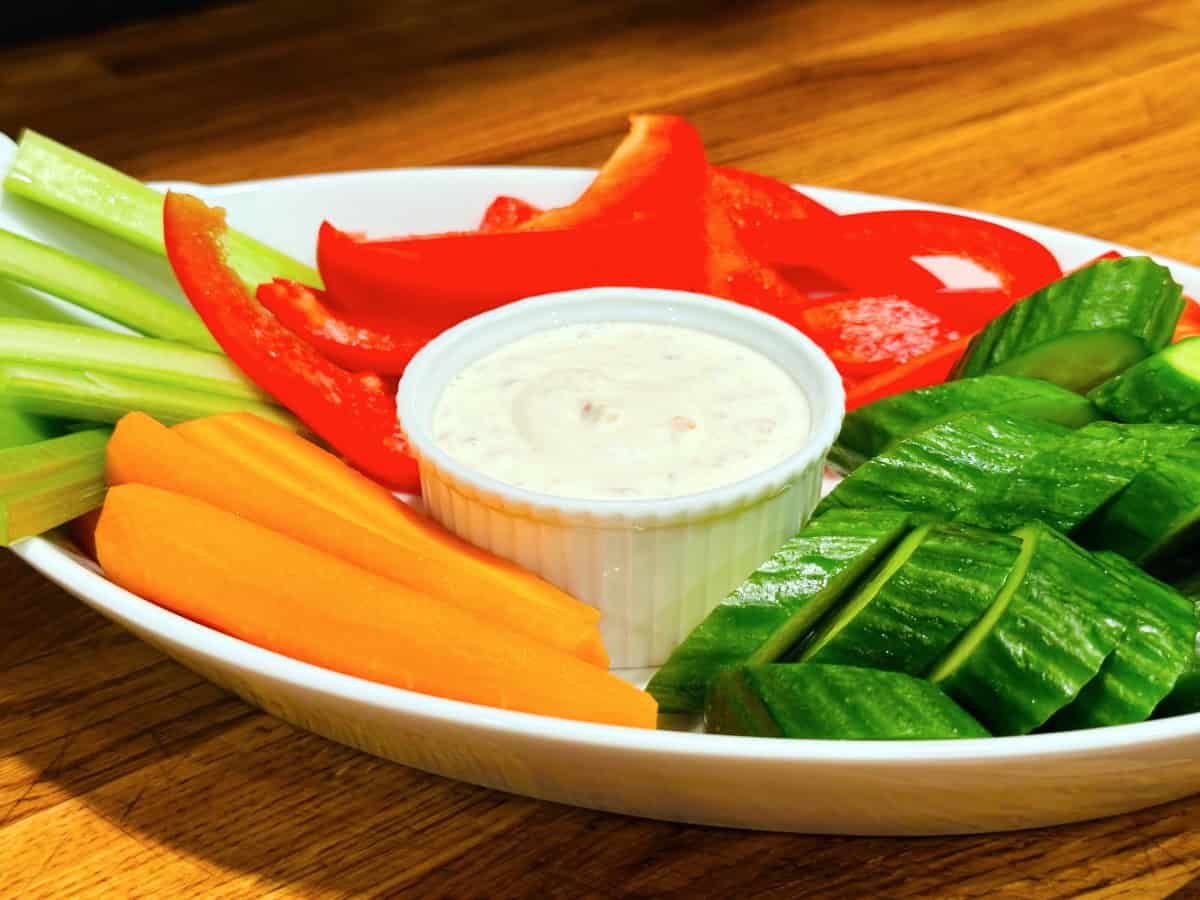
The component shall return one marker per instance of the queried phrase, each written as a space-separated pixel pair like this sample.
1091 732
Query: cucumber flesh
1068 484
870 430
957 469
778 603
1084 328
1155 521
1164 387
833 703
948 582
1053 624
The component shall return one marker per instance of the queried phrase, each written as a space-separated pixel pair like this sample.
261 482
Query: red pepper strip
966 310
932 368
1021 264
862 266
864 335
734 274
355 413
506 213
658 171
759 206
358 346
430 283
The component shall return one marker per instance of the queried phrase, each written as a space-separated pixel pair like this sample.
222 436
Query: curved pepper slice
866 334
658 171
506 213
355 413
436 281
1021 264
764 209
356 345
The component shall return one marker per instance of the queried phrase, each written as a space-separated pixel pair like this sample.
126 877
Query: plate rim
81 578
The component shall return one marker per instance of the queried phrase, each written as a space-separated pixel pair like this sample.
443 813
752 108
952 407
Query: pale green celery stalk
102 291
51 482
138 358
19 302
105 397
78 186
18 428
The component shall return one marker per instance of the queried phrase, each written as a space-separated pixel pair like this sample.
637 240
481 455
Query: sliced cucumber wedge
1158 647
948 582
778 603
957 469
1083 329
1068 484
1155 521
870 430
1164 387
833 703
1052 626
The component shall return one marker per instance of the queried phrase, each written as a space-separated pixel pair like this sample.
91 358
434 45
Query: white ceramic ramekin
654 568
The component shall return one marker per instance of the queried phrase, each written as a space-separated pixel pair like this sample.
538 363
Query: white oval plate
920 787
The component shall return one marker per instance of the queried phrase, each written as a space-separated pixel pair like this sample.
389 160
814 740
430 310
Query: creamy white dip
621 410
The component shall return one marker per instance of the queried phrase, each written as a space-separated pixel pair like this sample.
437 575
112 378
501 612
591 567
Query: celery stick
18 428
21 466
105 397
139 358
19 302
63 179
96 288
46 484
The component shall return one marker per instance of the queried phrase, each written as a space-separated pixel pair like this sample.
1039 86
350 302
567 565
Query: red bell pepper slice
355 413
355 345
658 171
764 210
866 334
430 283
929 369
507 213
1021 264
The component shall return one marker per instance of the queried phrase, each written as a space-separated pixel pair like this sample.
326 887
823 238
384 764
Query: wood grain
122 774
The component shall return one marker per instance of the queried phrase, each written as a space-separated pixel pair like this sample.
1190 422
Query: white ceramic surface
920 787
654 568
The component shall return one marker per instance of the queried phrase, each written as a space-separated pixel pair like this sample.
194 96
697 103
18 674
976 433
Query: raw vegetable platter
881 787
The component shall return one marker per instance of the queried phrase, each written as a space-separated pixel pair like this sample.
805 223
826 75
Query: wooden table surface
123 774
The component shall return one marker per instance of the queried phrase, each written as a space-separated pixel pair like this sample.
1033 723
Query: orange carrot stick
300 467
141 451
235 576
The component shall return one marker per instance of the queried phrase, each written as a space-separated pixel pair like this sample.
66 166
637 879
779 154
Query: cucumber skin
1063 620
1067 485
803 577
1154 390
948 582
958 469
1159 646
1132 295
833 703
870 430
1147 520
